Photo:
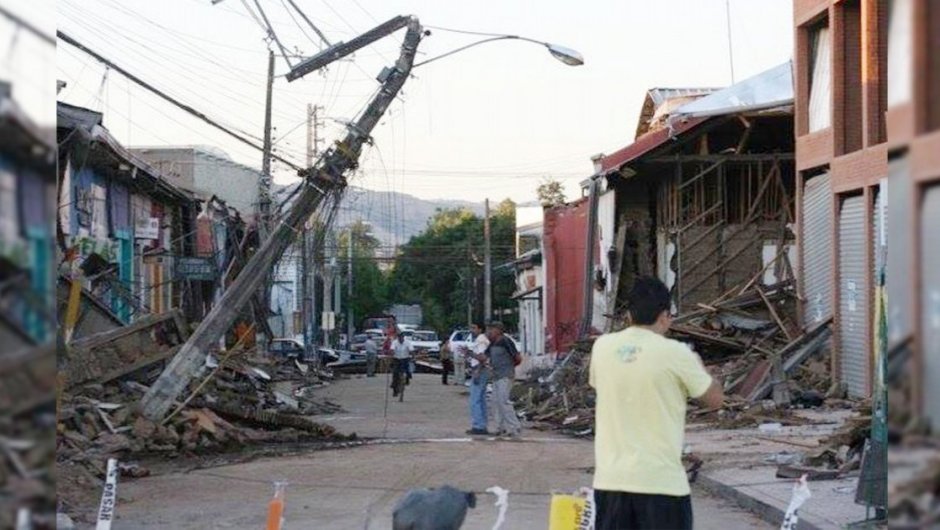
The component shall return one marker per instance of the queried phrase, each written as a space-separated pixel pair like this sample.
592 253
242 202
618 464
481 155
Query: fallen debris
241 399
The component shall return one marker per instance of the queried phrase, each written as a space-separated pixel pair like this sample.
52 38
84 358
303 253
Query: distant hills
395 217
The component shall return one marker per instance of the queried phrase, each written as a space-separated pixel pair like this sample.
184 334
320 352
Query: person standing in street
401 351
460 363
372 355
447 362
479 378
503 357
643 382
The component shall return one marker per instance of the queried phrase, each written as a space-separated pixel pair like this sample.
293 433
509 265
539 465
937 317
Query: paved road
357 488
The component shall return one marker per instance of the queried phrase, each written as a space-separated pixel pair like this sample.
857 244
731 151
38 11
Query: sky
491 121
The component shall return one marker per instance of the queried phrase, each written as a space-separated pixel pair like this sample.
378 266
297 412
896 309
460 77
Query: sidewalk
737 469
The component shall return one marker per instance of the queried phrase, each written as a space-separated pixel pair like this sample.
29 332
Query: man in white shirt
401 351
479 377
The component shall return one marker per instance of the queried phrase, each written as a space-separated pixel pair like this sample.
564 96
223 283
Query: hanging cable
272 35
312 25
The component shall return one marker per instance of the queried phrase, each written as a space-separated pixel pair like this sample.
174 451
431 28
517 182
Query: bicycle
400 378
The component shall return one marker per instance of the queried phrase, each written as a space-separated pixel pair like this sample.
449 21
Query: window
900 40
820 93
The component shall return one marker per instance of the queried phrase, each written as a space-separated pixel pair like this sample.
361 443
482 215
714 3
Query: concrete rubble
240 399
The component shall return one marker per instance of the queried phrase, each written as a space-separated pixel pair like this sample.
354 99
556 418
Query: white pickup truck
424 341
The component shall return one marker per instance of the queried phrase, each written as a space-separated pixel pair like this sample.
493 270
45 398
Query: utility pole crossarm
324 182
343 49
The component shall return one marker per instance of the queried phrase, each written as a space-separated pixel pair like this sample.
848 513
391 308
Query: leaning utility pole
323 182
487 268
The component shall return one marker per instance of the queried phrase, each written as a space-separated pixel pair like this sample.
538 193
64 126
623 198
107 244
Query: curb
765 511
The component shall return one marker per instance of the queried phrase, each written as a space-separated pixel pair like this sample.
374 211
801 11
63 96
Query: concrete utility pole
264 192
305 301
588 307
264 200
308 266
487 268
313 132
327 296
326 180
350 325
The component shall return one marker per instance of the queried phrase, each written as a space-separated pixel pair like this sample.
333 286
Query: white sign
328 320
852 295
147 228
108 497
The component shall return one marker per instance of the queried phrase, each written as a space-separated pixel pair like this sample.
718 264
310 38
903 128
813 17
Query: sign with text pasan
190 268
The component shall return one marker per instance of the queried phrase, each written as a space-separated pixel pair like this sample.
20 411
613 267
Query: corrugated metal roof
656 97
766 90
645 144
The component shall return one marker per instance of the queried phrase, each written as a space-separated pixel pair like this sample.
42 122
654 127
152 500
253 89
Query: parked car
461 338
359 341
425 341
286 348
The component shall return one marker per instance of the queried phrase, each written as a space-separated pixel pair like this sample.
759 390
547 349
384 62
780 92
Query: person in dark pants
447 362
643 382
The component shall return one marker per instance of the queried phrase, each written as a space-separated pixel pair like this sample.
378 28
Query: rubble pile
836 455
749 341
237 401
564 399
241 404
27 452
915 503
26 478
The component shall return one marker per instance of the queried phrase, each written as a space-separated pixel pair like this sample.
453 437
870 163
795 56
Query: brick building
864 124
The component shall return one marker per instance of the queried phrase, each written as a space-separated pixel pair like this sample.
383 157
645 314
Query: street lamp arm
565 55
471 45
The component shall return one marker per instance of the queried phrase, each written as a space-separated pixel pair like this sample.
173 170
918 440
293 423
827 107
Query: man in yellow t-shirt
643 382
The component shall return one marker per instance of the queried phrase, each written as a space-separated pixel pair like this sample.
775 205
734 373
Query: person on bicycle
401 352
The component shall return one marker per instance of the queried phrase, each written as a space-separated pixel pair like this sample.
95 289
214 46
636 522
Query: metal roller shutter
853 296
817 249
930 302
900 258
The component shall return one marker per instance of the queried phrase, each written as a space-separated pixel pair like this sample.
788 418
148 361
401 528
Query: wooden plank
98 339
137 365
773 313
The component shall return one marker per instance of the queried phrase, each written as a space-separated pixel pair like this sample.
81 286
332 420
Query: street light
342 49
566 55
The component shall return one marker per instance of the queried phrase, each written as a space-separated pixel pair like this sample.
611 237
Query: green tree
442 268
551 192
370 292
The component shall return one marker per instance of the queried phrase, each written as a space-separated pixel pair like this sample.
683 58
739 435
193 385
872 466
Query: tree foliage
370 290
551 192
442 268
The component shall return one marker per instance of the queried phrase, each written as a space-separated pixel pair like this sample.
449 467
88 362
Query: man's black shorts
618 510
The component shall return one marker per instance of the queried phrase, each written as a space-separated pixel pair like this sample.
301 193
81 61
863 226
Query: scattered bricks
144 428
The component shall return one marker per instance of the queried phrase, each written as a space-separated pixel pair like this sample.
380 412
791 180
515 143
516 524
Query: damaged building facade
121 226
27 257
703 198
868 146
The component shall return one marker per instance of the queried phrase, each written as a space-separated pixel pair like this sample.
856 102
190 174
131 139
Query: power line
312 25
168 98
19 21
